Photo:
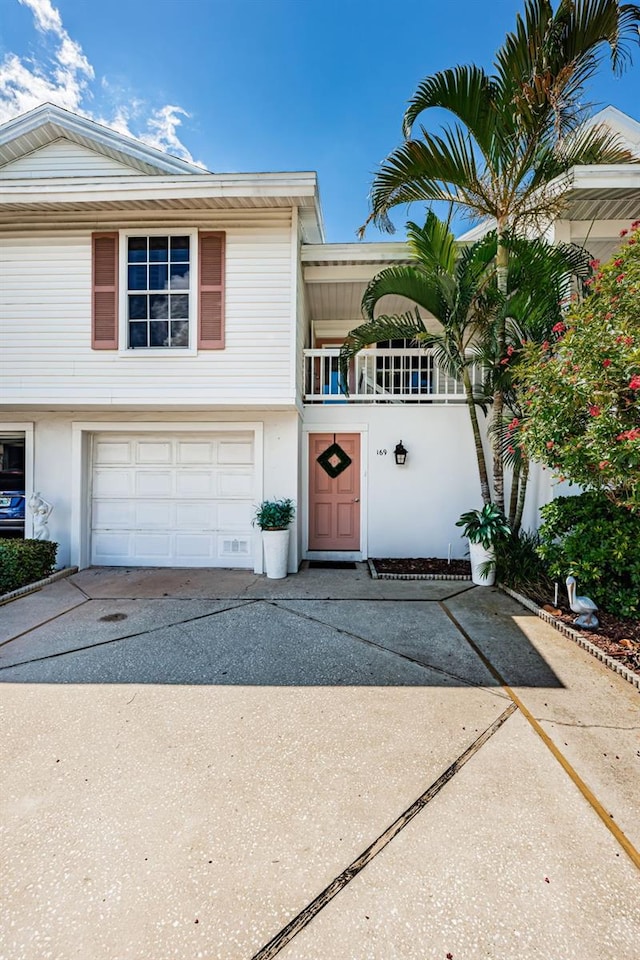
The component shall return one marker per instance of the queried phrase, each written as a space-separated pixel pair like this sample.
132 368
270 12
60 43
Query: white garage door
173 500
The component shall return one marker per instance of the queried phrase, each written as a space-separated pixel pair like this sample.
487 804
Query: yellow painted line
587 793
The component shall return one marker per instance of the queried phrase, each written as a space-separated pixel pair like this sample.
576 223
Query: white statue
41 511
584 606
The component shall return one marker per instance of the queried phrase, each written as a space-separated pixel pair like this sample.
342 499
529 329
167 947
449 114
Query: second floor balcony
379 375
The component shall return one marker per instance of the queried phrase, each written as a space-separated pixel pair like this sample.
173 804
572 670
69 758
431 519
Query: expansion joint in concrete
128 636
605 816
424 664
304 918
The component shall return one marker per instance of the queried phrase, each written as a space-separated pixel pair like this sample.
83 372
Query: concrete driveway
206 764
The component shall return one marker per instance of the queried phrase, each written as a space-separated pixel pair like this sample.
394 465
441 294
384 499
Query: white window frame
123 323
19 430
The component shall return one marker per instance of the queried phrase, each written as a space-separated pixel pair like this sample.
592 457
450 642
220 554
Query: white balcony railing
380 376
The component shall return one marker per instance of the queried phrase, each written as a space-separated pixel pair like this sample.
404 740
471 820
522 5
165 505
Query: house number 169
381 453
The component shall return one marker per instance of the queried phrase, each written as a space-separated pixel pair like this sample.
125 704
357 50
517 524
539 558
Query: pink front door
334 502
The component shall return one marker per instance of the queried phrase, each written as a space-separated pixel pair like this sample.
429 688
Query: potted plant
273 517
483 528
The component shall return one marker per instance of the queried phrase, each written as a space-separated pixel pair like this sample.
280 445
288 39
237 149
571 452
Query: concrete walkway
208 764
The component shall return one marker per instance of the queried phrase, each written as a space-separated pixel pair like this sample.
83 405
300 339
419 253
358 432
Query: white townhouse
168 358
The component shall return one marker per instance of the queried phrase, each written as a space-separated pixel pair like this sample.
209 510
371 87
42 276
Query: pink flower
606 363
623 233
559 327
603 464
633 434
595 411
510 350
620 278
545 345
514 423
550 444
634 383
618 262
635 224
594 263
511 449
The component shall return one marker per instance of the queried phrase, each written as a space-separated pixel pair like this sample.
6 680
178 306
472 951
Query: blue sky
250 85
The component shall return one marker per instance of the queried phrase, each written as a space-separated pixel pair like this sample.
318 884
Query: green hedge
597 542
25 561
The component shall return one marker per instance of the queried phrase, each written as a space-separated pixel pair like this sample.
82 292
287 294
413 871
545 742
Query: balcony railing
380 376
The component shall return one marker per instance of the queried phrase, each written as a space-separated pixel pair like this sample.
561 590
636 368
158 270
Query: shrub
582 396
519 565
274 514
597 542
25 561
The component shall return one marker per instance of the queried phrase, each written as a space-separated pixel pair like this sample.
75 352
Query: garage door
173 500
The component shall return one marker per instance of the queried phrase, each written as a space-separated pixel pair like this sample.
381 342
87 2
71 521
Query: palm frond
404 326
596 144
433 245
467 93
404 280
435 168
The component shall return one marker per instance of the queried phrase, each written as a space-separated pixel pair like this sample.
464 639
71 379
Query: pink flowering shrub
582 391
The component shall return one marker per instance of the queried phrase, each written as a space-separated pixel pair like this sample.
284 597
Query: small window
159 294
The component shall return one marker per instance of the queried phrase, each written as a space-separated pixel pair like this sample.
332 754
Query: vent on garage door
235 547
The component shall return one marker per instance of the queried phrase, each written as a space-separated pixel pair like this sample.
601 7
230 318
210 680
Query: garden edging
413 576
582 641
38 585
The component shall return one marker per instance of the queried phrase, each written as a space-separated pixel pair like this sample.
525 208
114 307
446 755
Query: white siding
303 337
63 158
45 336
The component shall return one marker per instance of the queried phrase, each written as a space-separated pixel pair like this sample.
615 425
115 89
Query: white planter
478 556
276 553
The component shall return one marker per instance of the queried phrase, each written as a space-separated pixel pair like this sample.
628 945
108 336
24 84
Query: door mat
332 565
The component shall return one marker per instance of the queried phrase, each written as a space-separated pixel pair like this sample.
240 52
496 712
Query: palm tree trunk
502 269
513 499
524 476
485 489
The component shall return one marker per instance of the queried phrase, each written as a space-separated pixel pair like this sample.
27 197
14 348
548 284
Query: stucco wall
53 474
412 510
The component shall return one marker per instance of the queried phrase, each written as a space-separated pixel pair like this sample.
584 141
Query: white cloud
64 76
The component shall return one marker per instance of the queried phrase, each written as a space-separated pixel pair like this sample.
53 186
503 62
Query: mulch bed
618 638
422 566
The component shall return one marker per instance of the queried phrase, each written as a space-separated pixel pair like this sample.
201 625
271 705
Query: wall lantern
400 454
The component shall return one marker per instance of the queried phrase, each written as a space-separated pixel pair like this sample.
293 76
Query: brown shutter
211 290
104 326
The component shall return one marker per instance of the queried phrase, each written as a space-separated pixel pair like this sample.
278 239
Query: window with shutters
159 290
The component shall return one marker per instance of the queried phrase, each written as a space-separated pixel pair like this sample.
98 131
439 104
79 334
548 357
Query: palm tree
515 133
448 285
458 287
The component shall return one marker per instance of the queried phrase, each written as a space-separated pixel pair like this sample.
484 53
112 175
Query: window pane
137 278
179 249
159 249
159 333
179 333
137 249
137 334
158 276
158 307
137 307
180 306
179 276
